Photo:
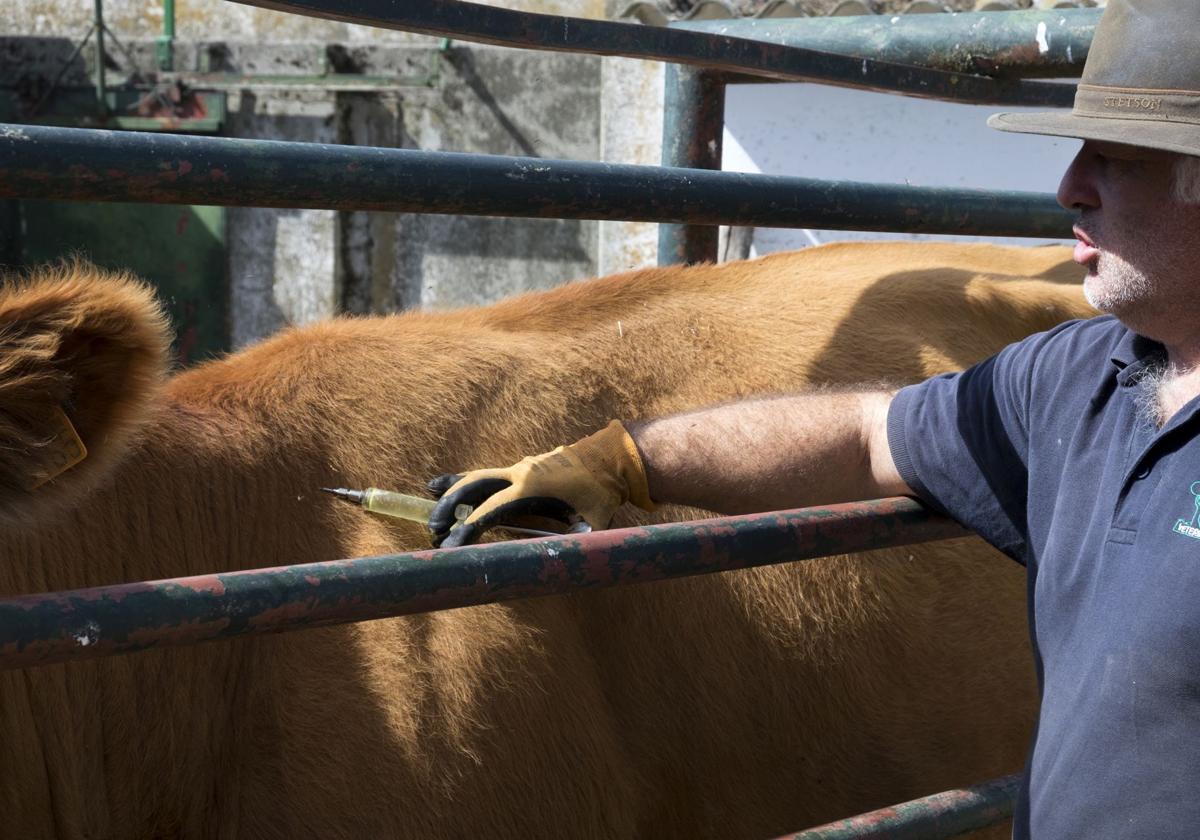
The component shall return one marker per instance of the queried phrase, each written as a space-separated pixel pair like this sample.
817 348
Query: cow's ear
82 353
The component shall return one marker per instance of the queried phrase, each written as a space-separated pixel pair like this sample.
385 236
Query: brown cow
737 705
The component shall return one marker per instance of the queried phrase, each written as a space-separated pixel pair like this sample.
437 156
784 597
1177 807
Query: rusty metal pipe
85 623
949 814
76 164
467 21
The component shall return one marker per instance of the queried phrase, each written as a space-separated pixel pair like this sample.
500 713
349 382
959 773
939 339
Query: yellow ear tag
63 451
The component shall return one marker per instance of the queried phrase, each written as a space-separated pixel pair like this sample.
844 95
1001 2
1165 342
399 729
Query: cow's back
740 704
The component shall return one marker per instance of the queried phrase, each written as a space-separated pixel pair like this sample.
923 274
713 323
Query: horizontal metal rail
1034 43
94 165
942 815
84 623
464 21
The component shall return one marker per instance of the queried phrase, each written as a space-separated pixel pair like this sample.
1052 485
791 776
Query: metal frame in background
167 170
1011 45
466 21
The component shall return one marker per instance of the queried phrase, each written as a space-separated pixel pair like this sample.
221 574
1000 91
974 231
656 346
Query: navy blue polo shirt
1041 450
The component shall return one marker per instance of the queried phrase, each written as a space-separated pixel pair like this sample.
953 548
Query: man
1074 452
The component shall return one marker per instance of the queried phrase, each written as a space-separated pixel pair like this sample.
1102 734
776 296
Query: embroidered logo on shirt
1189 529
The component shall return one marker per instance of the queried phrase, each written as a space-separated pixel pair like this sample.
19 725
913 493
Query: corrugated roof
662 12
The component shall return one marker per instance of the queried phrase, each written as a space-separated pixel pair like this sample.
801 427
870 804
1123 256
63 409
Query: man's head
1136 181
1138 231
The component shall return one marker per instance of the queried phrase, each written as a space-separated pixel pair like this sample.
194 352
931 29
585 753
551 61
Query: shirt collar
1133 353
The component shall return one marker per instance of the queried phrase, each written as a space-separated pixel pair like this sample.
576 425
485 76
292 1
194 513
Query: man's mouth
1085 249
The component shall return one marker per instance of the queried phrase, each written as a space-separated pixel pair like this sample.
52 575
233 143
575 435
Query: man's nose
1077 190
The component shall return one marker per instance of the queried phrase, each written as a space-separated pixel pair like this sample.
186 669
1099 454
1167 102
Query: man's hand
590 478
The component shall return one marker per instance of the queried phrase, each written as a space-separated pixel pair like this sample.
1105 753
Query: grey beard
1123 285
1149 393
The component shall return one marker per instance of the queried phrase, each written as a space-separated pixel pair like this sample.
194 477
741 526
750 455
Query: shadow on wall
463 60
28 66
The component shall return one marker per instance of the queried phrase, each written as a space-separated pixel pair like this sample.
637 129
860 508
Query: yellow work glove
588 479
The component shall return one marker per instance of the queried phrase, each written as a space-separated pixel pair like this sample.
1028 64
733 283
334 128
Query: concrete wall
489 100
294 266
283 264
631 118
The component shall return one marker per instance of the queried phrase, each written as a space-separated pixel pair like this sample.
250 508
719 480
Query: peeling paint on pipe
999 44
942 815
84 623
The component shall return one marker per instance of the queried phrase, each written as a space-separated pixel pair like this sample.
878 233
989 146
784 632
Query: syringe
412 508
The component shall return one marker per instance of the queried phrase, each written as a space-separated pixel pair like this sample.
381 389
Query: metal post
165 45
101 87
693 125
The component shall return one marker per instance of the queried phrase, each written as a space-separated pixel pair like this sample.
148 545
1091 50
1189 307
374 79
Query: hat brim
1152 134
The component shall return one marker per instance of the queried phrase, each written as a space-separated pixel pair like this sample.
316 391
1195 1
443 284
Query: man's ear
82 353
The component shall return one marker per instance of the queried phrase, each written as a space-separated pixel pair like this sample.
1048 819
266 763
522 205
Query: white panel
817 131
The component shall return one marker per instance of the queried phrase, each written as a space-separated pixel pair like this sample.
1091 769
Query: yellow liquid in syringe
404 506
416 509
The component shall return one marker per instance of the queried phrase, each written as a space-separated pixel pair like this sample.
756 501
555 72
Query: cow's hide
738 705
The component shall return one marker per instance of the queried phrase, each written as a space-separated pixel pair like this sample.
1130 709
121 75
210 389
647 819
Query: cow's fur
738 705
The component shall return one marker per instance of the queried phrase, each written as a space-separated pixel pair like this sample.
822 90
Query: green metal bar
61 626
90 165
1043 44
491 25
943 815
165 45
693 131
101 86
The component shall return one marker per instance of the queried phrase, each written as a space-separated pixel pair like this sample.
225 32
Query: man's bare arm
772 454
769 454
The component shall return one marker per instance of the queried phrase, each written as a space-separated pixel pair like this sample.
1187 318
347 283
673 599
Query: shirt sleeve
961 442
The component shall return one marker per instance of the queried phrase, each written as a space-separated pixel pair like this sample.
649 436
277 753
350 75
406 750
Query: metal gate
934 56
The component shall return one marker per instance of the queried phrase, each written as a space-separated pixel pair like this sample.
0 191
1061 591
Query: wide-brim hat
1141 81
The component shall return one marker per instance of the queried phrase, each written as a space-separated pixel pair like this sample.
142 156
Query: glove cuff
612 452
